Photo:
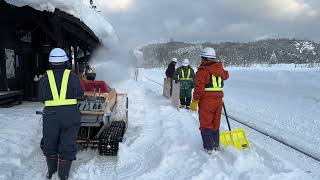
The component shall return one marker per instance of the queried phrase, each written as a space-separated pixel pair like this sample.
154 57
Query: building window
10 64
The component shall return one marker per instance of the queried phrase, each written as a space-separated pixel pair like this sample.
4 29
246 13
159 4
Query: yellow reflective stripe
188 76
213 89
216 85
185 78
59 100
182 72
214 81
53 85
64 84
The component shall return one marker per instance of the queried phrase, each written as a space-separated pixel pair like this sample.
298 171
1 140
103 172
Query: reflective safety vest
215 84
183 76
59 100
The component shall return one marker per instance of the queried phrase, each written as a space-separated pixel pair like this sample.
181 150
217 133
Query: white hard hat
58 55
185 62
208 52
174 59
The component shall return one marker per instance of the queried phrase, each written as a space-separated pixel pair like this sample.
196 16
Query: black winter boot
183 102
64 169
52 162
216 139
207 139
188 102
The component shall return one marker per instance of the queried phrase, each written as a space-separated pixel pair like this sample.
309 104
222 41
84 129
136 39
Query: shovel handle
225 113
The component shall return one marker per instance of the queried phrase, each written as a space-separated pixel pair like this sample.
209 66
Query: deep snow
163 143
281 100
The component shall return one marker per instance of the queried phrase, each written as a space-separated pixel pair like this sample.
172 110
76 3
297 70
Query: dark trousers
185 101
60 129
171 84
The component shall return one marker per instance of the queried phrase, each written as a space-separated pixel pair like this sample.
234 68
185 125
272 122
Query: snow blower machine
104 117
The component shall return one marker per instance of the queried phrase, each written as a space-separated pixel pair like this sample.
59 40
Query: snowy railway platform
161 143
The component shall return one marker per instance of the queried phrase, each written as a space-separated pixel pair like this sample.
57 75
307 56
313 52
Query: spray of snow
112 65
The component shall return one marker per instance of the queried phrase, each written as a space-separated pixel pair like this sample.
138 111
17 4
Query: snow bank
80 9
20 134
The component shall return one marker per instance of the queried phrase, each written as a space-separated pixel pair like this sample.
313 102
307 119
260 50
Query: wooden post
136 73
167 83
175 98
75 56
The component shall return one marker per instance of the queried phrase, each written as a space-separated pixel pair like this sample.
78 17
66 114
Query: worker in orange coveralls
208 96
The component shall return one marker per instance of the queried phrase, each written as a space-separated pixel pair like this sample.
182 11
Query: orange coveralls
210 102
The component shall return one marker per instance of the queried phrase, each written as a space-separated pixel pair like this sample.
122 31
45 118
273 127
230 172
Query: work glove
194 105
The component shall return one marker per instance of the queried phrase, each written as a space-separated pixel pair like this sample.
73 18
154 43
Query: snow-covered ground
281 100
163 143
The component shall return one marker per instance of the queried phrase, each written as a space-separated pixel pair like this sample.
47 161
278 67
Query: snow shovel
236 138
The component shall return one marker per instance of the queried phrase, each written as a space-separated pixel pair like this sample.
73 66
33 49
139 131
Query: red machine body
88 85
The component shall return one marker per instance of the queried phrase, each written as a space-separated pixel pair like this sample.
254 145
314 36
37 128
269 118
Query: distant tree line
270 51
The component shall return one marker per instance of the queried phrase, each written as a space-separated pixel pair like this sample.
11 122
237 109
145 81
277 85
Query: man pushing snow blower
208 95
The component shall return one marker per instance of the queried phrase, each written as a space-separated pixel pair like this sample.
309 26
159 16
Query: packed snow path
161 143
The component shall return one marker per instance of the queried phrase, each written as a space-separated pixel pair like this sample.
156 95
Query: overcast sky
140 21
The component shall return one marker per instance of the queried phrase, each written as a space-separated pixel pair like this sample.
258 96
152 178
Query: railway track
263 132
275 138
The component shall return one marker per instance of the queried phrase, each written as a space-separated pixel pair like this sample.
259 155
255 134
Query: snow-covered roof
80 9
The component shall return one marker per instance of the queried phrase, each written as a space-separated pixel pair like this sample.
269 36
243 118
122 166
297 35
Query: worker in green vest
59 89
185 75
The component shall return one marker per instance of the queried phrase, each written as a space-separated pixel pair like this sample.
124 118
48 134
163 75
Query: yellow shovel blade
236 138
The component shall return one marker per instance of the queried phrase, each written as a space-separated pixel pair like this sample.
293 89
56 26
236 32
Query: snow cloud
274 9
140 21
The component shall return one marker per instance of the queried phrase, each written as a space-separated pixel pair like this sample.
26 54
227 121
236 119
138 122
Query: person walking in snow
185 75
61 116
170 72
208 96
171 68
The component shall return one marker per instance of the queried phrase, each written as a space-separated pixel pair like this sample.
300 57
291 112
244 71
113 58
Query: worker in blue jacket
59 89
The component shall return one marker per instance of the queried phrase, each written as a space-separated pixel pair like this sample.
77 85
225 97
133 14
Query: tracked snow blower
104 117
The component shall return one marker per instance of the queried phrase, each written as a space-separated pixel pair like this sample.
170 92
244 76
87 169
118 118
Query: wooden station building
26 38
